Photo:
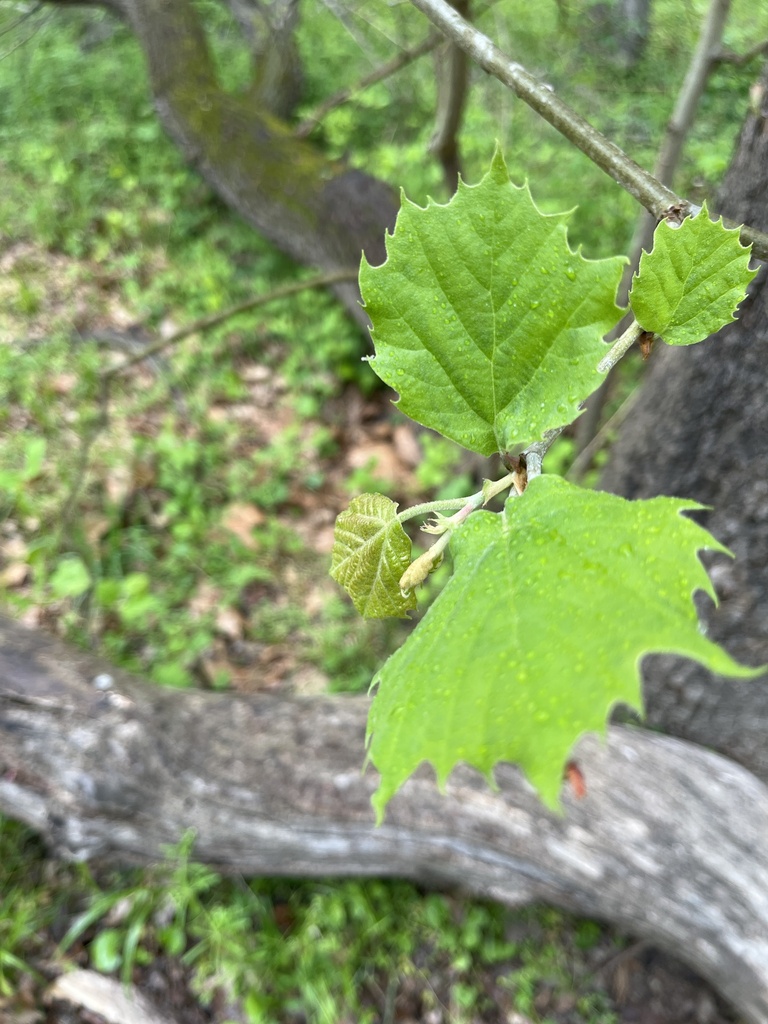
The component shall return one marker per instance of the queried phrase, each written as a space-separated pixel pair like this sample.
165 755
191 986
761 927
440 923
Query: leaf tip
498 169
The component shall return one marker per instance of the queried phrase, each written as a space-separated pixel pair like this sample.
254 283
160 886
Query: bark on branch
669 842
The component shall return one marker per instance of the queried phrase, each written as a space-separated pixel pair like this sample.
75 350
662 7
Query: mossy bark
321 212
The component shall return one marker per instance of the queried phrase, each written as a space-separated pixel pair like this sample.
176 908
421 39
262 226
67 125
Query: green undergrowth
126 552
321 951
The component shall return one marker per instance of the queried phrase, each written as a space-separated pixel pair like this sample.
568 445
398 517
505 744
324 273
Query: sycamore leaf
371 551
540 631
484 320
691 283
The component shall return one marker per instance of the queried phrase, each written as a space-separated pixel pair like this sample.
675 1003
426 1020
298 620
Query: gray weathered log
669 842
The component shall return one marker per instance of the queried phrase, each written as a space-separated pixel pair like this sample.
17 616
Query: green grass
326 950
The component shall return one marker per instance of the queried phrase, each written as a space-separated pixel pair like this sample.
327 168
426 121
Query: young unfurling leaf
371 552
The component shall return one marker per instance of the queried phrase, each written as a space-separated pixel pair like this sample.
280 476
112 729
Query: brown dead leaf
64 383
316 529
14 548
380 460
14 575
115 1002
214 665
316 600
407 446
278 664
256 374
309 681
168 327
120 316
229 623
241 519
118 481
31 617
95 527
204 600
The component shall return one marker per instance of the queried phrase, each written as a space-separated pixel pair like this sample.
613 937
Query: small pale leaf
371 551
691 283
540 631
484 320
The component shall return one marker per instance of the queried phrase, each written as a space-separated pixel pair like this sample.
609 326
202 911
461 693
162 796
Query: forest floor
631 985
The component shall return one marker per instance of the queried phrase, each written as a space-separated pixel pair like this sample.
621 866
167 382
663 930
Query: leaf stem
490 490
535 452
620 347
428 507
209 322
422 566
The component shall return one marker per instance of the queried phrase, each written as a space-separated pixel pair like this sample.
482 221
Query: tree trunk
320 212
700 430
270 30
633 18
452 72
668 843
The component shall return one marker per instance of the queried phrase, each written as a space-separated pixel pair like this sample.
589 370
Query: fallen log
668 843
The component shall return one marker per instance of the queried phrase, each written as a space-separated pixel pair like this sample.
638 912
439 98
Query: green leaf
484 320
70 578
541 630
106 951
371 552
691 283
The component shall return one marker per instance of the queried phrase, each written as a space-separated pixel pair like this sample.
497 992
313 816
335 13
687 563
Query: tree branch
452 88
740 59
699 70
313 119
651 193
207 323
321 212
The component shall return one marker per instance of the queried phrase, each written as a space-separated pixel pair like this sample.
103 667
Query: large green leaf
484 320
691 283
552 605
371 551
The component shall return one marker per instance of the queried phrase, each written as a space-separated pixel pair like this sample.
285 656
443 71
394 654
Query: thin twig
20 20
620 347
615 959
107 376
583 460
94 429
740 59
648 191
208 322
321 111
453 71
31 35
